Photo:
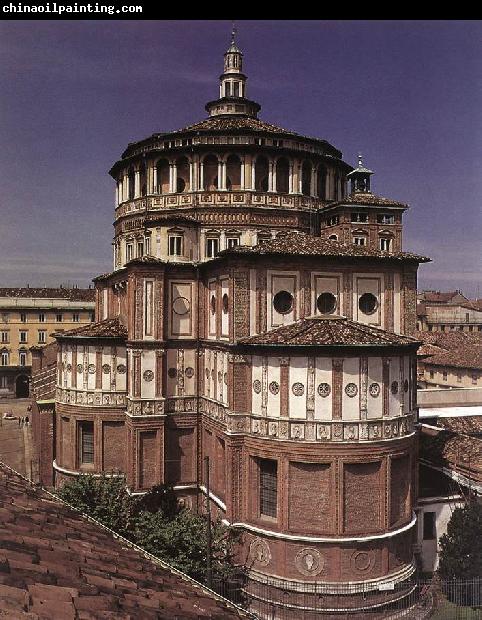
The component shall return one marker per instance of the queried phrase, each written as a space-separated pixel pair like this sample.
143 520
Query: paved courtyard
16 449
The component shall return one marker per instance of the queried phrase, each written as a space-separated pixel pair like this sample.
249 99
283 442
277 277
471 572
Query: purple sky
408 94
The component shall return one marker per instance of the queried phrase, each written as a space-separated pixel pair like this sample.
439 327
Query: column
201 175
172 178
253 174
137 183
222 241
300 178
270 176
117 201
191 176
290 178
221 181
313 182
154 179
242 179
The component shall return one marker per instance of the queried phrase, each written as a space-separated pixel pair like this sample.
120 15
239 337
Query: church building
261 311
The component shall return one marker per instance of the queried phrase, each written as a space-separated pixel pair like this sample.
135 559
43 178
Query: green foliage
155 522
460 548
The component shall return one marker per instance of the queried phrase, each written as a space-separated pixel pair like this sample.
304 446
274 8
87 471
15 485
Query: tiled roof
302 244
454 451
56 564
223 123
469 425
328 331
146 260
438 297
72 294
456 348
367 198
109 328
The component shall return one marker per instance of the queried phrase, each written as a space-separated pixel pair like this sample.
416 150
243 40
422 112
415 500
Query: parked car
8 415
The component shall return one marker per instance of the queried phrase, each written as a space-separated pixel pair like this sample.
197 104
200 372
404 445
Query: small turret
360 178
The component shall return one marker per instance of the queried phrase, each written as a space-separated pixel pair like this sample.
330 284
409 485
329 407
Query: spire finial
233 33
360 160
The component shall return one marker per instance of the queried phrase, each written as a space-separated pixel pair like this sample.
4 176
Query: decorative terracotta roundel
374 390
259 552
257 386
172 373
106 369
351 390
298 389
181 305
405 385
324 390
225 378
148 375
274 387
189 372
91 369
362 561
309 562
121 369
80 367
394 387
69 367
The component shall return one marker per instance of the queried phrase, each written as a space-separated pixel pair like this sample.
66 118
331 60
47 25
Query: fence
415 599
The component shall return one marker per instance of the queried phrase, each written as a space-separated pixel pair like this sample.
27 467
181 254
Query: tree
460 548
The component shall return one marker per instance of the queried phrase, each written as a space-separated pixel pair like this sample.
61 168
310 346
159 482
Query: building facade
236 326
28 318
446 312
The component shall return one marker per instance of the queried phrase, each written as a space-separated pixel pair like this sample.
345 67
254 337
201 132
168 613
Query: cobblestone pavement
16 446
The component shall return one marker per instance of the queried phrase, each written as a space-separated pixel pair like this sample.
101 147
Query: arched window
162 167
143 179
261 171
132 180
233 172
210 166
282 175
182 165
321 182
306 179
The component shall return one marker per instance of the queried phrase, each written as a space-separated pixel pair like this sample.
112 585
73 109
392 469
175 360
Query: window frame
82 450
268 489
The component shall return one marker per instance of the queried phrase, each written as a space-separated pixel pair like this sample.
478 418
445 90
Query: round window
326 303
283 302
213 304
225 303
368 303
181 305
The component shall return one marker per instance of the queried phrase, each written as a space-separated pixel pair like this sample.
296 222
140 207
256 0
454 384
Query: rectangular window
268 487
129 252
147 242
232 242
58 318
22 358
41 317
75 317
42 336
92 317
430 328
442 328
4 358
262 238
384 218
140 249
23 336
332 221
212 247
86 442
359 240
474 379
429 531
431 374
385 245
175 245
359 217
3 382
444 375
23 317
4 337
459 377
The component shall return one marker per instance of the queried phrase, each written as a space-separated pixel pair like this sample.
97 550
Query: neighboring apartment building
450 311
450 360
28 318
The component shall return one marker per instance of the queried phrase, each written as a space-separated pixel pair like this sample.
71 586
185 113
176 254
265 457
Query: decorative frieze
90 398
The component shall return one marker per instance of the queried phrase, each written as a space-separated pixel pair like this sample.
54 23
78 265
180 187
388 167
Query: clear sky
408 94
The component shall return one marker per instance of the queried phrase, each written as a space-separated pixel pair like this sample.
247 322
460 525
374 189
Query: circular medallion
274 387
374 390
91 369
148 375
257 386
259 552
172 373
362 561
189 372
80 367
298 389
324 390
309 562
69 367
394 387
121 369
181 306
106 369
405 385
351 390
